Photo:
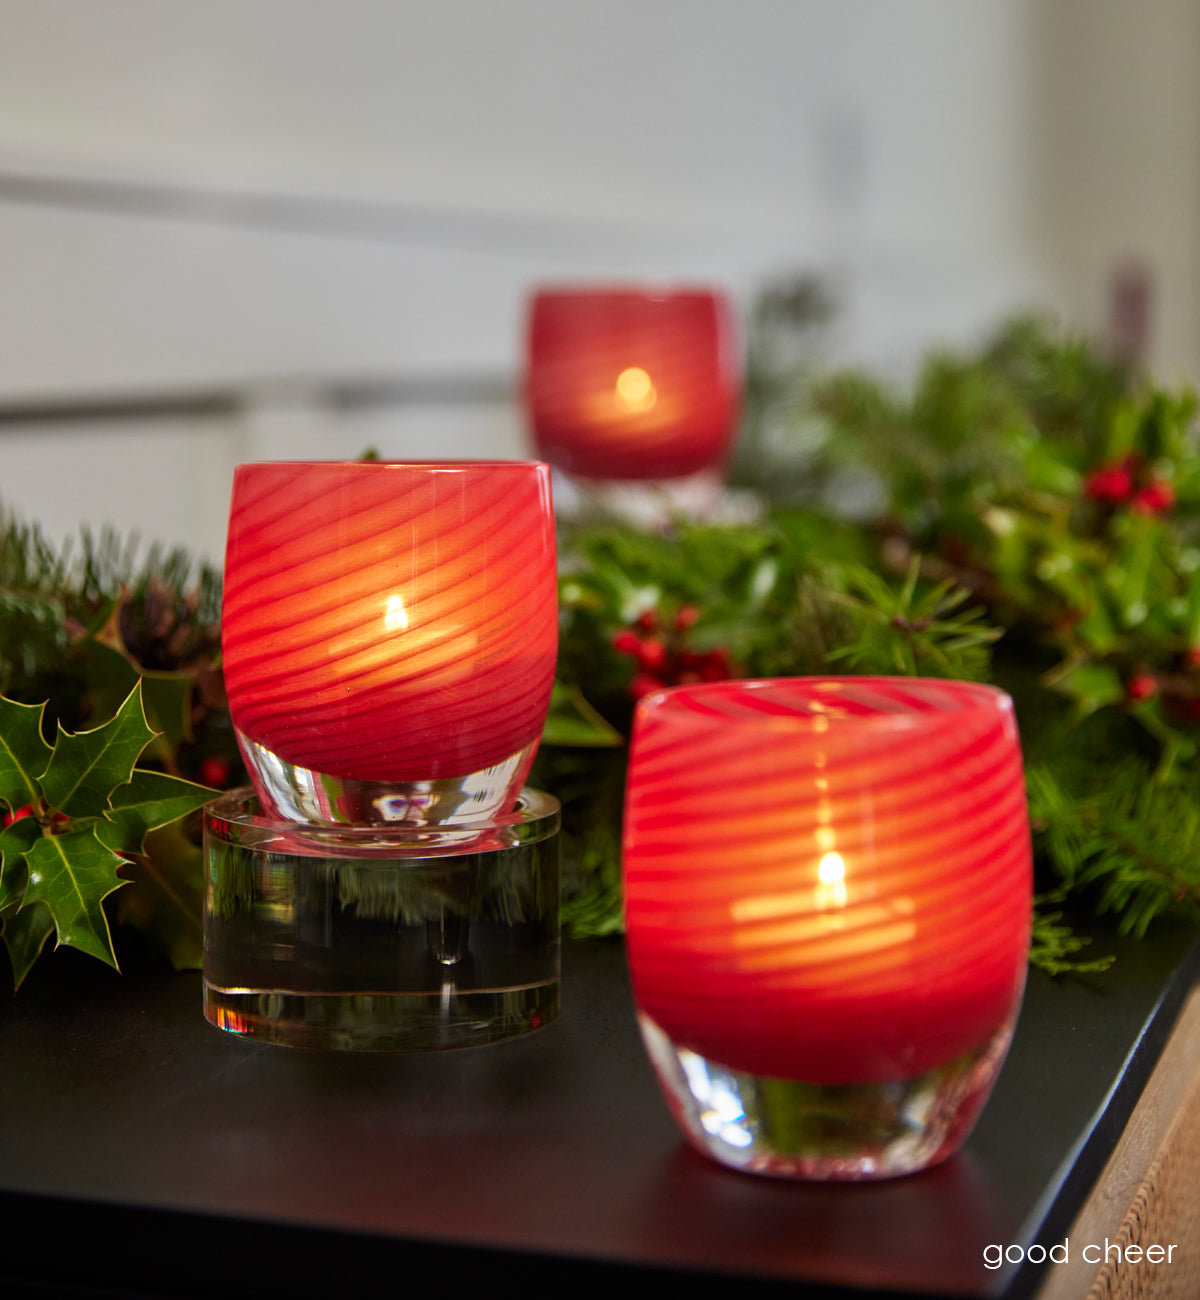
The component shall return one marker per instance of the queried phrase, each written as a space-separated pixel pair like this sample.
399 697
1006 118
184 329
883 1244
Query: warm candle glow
635 390
623 384
395 616
329 667
831 892
831 869
827 879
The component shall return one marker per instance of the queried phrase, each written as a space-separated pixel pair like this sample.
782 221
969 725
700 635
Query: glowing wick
831 872
831 869
635 390
395 616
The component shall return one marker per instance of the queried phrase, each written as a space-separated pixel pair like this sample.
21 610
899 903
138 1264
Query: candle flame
635 390
395 616
831 869
831 892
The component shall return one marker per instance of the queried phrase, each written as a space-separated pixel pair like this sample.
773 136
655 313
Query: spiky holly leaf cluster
78 812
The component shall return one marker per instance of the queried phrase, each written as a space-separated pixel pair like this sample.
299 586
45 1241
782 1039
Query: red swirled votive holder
389 636
632 385
828 895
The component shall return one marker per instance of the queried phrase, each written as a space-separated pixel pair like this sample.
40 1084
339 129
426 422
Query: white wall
1116 168
703 113
260 200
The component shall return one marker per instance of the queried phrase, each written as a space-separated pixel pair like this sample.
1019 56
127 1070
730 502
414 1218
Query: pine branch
1054 945
1135 841
915 631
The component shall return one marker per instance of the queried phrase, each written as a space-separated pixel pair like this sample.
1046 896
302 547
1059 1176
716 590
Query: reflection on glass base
789 1129
400 945
304 795
366 1022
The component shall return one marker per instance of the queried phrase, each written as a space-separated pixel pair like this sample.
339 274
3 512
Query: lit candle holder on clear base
389 637
828 892
633 395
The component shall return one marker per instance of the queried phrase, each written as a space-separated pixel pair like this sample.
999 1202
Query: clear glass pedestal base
380 940
790 1129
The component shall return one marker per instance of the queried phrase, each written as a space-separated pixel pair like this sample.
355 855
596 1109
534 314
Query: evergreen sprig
1135 842
915 629
1055 946
1036 523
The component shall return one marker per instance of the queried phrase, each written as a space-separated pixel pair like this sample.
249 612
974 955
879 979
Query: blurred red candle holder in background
828 891
389 636
629 385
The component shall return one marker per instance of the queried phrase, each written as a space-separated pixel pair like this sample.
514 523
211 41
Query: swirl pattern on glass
390 622
631 385
827 880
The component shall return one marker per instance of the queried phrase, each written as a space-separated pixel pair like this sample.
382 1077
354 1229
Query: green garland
119 734
1037 524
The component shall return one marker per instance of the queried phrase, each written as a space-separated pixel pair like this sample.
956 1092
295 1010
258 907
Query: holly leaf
86 766
25 932
15 841
144 803
165 898
23 752
166 696
72 875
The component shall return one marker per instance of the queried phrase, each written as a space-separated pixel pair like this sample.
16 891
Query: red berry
627 643
1109 483
1192 657
1154 499
686 616
1142 686
10 817
716 665
652 654
214 772
647 620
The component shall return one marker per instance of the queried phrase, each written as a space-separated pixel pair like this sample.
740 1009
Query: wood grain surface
1148 1192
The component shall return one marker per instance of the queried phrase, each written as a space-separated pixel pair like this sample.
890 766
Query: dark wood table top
143 1152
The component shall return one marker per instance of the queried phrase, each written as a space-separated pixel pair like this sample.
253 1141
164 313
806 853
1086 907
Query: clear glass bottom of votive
381 941
648 503
786 1128
303 794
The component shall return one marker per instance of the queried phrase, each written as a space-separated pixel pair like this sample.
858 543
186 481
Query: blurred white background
270 228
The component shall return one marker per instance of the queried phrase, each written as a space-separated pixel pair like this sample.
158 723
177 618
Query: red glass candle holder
632 385
389 636
828 898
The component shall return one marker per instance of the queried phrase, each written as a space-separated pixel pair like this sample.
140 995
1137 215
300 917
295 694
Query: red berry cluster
10 816
661 656
1121 482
